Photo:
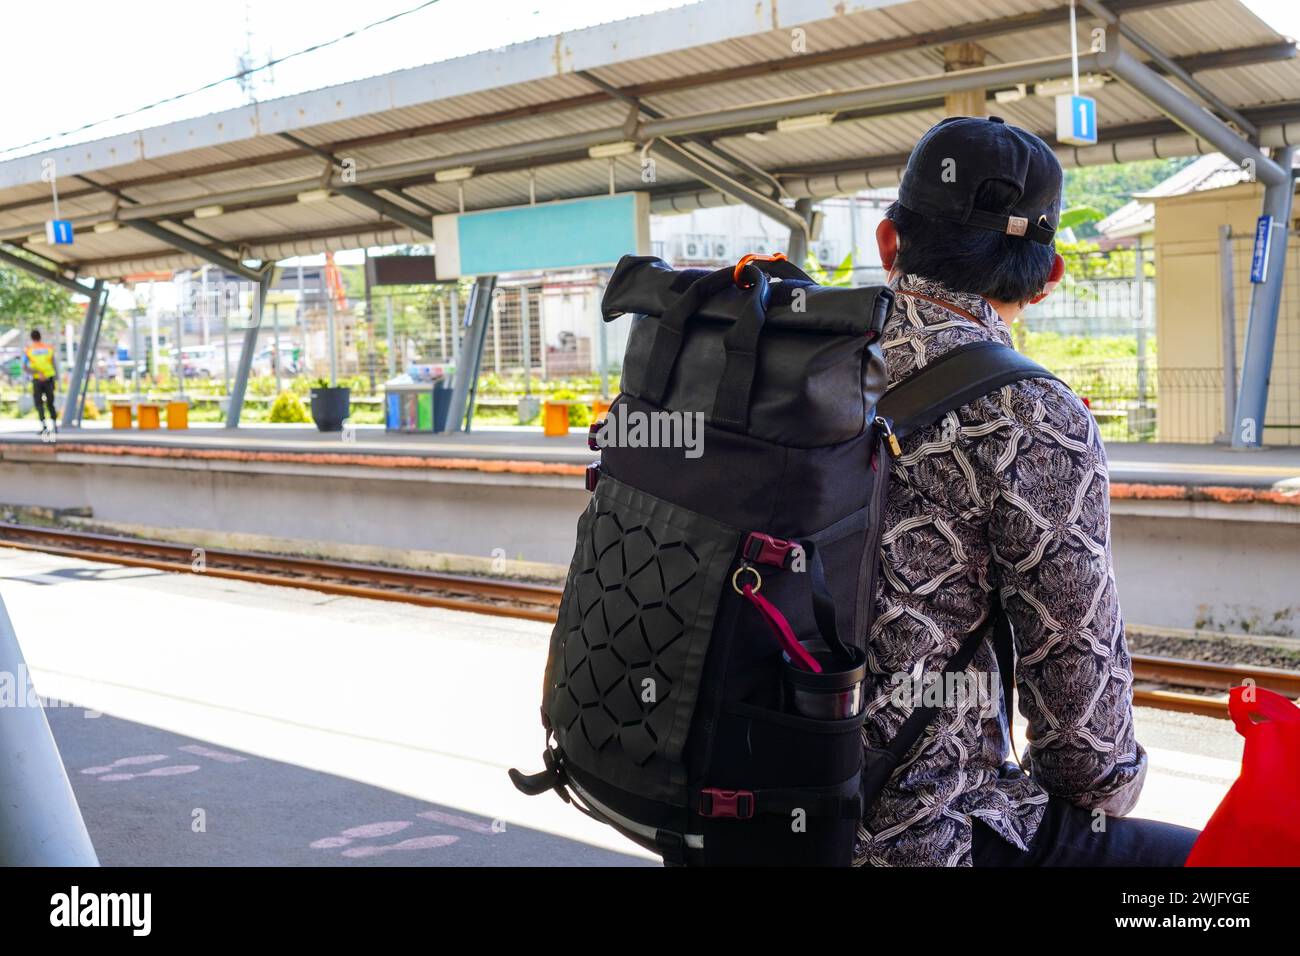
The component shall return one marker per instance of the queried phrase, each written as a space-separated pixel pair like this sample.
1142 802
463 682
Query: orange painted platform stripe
491 466
1222 494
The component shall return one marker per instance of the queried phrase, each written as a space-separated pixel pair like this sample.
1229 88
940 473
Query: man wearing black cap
1009 492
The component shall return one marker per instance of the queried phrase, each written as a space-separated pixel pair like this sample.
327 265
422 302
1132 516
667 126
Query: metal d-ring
735 578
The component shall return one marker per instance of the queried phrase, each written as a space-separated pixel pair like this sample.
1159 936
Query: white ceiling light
756 135
37 239
811 121
208 212
1013 95
456 174
108 225
314 195
610 150
1088 83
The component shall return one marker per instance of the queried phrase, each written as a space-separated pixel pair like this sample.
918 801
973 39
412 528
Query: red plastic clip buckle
593 475
592 431
765 549
736 804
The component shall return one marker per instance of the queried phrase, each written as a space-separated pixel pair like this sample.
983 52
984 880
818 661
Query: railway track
427 588
1170 684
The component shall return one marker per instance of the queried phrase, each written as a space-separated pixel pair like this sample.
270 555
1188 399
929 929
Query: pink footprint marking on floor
126 762
453 820
367 831
415 843
172 771
200 751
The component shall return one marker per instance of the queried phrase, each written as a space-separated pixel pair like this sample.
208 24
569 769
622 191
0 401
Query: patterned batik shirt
1010 492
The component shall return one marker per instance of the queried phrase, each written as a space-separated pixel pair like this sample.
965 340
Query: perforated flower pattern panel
632 635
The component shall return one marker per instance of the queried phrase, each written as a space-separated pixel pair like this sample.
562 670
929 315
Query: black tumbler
834 694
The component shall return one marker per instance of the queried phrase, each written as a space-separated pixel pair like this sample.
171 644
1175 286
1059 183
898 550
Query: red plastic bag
1258 822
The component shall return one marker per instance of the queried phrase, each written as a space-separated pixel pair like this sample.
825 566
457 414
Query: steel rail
539 602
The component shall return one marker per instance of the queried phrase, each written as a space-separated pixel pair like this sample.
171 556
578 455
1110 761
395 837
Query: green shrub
579 414
288 407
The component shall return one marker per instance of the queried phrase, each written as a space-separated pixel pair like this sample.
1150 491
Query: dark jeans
43 389
1066 838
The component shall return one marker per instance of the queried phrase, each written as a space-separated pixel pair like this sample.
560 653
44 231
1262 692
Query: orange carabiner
754 257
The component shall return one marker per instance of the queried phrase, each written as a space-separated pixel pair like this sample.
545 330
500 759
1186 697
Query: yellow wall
1188 313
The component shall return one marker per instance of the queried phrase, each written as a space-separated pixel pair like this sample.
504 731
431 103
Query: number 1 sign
1076 120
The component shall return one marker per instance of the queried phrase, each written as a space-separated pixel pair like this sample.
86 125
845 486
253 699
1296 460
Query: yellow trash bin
555 419
148 416
178 415
121 414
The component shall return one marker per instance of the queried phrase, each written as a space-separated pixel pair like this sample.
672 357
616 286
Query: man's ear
1053 279
887 243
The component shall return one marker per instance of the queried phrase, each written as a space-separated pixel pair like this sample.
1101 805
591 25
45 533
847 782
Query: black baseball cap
958 155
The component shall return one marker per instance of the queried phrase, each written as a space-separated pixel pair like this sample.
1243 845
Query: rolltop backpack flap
1258 822
785 360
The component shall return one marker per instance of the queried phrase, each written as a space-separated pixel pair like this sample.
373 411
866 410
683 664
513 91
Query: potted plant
330 405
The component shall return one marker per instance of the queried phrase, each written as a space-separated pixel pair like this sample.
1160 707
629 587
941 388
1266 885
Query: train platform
1181 469
211 721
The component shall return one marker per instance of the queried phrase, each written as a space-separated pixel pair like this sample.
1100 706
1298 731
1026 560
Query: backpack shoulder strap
958 376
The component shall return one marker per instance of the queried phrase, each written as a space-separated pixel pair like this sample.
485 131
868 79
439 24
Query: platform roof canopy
369 162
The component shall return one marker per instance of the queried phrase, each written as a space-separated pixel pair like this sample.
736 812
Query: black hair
969 258
36 335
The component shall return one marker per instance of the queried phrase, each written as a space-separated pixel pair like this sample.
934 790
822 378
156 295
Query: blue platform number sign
58 232
1259 255
1076 120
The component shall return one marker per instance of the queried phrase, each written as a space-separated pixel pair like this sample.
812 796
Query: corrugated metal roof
472 104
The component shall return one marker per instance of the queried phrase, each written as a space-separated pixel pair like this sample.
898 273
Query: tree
1108 187
27 300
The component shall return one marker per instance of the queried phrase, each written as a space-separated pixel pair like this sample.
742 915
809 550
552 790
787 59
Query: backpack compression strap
954 379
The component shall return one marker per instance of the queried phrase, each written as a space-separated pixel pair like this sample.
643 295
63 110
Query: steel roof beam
49 275
1169 66
364 197
155 231
678 156
1190 115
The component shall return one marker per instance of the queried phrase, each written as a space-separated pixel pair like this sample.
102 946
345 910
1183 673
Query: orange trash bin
555 419
147 416
121 415
600 408
178 415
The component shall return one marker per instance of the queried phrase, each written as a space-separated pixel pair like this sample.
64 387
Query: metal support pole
74 399
392 351
1228 316
526 339
275 329
333 338
1139 271
478 313
602 342
798 247
250 345
496 335
1265 303
178 367
457 327
40 822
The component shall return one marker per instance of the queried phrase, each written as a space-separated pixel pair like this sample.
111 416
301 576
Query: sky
116 57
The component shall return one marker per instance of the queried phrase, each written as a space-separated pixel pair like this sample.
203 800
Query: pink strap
782 631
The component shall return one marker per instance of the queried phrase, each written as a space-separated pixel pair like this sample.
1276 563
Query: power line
242 74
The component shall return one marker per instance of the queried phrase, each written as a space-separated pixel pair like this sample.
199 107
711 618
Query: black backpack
705 588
